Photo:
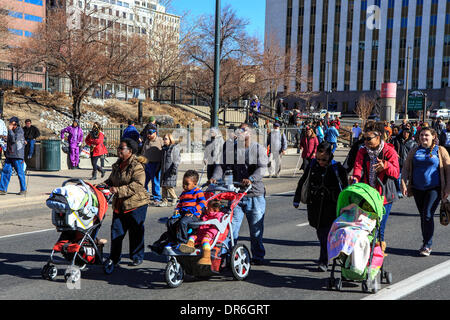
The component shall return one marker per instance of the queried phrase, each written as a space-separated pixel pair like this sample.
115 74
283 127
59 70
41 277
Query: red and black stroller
78 209
237 256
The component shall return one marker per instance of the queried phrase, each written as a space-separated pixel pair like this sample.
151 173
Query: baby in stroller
205 234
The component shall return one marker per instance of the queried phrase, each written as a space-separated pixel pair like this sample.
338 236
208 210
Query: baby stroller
237 256
359 207
78 209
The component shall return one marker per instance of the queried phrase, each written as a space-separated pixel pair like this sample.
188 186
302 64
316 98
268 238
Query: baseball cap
14 119
152 118
276 124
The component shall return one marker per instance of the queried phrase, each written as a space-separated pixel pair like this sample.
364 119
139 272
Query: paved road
290 274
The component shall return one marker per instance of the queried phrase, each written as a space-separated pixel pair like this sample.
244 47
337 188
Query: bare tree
364 108
4 34
239 54
77 46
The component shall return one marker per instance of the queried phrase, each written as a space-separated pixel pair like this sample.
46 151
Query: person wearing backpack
326 179
377 165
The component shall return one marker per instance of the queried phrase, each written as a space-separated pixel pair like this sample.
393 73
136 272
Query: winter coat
97 146
391 166
309 147
403 147
324 188
130 182
208 230
169 165
31 133
213 150
152 150
15 145
132 133
277 141
75 135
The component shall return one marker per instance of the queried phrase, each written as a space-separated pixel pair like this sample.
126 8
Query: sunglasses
369 138
322 160
122 148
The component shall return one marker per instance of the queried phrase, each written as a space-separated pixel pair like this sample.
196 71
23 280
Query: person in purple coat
75 140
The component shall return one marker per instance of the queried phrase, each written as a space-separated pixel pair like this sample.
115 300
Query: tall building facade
344 48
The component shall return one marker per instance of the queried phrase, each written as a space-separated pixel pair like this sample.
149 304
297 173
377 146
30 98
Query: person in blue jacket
131 132
331 136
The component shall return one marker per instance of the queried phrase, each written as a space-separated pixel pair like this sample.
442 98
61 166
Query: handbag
389 189
304 194
85 152
444 212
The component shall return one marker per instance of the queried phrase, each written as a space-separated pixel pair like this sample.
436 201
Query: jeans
134 223
254 209
179 227
427 201
95 166
153 174
6 174
30 143
388 207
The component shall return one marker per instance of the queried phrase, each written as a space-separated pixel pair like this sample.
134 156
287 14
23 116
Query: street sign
415 103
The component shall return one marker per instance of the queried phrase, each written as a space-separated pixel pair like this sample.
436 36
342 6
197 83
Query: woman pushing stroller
326 180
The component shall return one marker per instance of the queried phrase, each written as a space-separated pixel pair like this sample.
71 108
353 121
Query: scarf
373 156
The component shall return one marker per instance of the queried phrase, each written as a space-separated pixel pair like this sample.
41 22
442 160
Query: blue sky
253 10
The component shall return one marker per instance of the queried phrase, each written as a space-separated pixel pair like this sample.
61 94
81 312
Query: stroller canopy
358 194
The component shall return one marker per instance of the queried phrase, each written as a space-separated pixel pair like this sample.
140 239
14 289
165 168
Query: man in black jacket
31 133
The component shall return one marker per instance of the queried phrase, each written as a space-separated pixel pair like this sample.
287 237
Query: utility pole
215 111
327 87
407 82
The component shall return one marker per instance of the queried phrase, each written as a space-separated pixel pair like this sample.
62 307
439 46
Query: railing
10 77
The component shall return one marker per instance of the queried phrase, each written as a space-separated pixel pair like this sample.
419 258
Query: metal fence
10 77
192 139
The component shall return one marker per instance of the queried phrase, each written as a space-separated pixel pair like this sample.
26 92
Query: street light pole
327 86
407 82
215 111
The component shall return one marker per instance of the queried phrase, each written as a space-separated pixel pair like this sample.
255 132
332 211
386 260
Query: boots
102 171
206 259
383 247
188 247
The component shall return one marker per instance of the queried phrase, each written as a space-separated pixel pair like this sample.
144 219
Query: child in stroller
353 239
205 234
78 210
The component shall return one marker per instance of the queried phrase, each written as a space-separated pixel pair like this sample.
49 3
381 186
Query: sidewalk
41 183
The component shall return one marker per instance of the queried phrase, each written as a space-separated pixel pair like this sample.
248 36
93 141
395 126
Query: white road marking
303 224
413 283
25 233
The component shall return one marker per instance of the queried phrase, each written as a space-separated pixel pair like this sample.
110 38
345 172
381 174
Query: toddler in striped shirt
190 206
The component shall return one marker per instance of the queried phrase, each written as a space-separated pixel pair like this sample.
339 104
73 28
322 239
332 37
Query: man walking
152 150
15 152
131 132
248 161
331 136
277 143
31 133
356 133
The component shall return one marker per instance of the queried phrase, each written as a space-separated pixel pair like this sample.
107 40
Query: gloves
176 215
296 204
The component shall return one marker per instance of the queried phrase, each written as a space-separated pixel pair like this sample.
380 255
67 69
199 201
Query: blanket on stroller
349 235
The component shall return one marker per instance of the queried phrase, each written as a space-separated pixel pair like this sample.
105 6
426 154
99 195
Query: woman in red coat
308 143
375 162
95 140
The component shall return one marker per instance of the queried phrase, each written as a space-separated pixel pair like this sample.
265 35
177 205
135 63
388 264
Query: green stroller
365 202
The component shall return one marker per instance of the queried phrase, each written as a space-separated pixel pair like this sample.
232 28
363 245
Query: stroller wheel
338 284
72 274
174 274
388 276
49 272
240 262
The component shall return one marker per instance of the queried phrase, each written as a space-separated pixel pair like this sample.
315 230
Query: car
440 113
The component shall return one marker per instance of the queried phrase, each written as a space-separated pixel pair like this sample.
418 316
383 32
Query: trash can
50 155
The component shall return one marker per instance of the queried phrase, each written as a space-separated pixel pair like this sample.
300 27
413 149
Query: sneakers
424 251
22 193
2 193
